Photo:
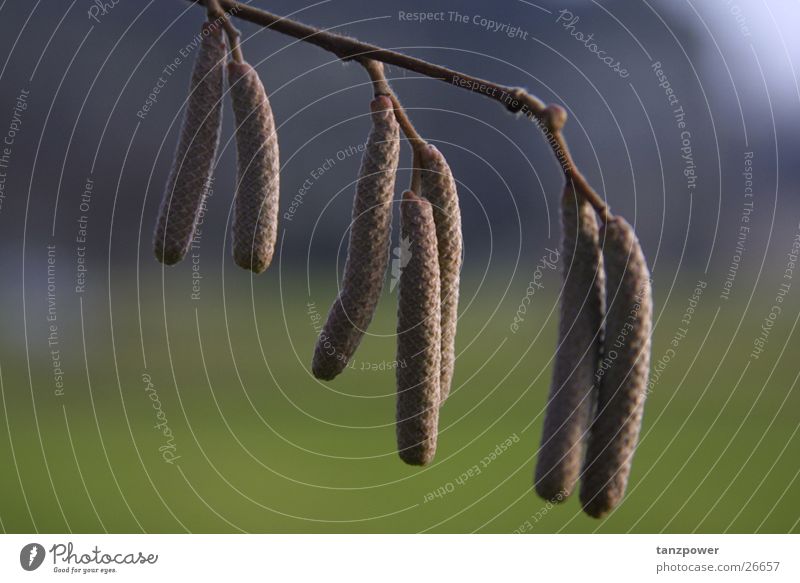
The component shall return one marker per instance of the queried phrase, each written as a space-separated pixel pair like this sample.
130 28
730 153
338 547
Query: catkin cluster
596 399
255 222
431 226
602 361
431 249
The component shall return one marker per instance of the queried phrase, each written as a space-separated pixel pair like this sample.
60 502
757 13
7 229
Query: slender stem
215 12
416 173
549 118
381 87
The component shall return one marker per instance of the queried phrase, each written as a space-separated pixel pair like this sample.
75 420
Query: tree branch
549 118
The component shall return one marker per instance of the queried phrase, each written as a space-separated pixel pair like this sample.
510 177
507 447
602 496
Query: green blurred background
264 447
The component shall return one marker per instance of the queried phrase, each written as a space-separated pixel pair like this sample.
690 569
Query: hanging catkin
368 248
194 156
623 371
439 187
255 212
571 398
418 335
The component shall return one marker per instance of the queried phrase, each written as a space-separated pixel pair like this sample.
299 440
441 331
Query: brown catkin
255 212
569 407
194 156
418 335
623 371
368 247
439 187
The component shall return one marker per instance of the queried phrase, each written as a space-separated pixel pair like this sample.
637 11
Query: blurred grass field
265 448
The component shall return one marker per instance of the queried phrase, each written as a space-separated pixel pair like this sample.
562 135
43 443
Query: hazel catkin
622 375
255 212
439 187
418 335
368 247
194 156
569 406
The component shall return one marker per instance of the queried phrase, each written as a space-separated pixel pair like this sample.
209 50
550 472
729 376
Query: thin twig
215 12
381 87
549 118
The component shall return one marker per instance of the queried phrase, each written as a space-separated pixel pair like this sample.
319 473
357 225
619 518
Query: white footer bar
401 558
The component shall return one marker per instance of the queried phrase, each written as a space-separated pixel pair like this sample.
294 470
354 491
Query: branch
549 118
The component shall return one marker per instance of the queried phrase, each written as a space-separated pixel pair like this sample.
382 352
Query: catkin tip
168 257
550 491
323 373
417 455
428 154
256 264
598 507
410 196
381 103
238 69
